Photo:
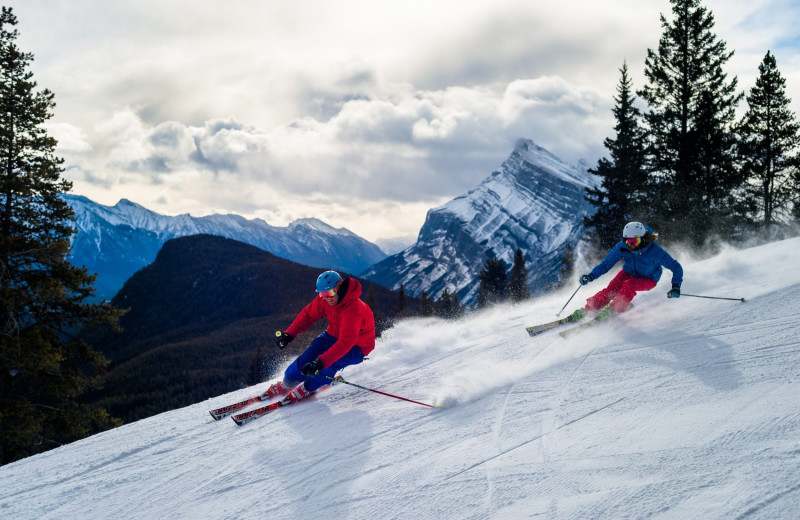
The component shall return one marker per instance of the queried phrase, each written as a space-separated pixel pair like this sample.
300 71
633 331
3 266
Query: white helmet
633 230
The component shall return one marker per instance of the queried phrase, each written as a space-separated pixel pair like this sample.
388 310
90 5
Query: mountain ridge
533 202
116 241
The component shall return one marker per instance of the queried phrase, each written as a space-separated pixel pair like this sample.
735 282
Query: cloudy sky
363 113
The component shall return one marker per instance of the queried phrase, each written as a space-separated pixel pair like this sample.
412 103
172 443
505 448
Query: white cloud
250 106
71 139
369 142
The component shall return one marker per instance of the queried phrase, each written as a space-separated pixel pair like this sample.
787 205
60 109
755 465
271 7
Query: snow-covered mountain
534 202
679 409
391 246
116 241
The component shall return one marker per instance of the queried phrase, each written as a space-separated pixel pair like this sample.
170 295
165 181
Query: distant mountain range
534 202
116 241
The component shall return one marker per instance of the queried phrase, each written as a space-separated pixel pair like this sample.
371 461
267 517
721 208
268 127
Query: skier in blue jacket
642 261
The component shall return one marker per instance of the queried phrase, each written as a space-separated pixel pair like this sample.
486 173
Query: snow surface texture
680 409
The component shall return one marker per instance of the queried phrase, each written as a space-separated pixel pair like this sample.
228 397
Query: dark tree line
44 366
684 164
496 284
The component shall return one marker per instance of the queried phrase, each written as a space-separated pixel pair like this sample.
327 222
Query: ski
597 320
578 328
252 415
225 411
544 327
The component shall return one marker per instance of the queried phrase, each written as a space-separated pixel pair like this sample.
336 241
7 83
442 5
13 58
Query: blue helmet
327 281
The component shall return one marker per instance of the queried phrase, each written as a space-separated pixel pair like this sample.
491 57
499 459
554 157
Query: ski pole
713 297
341 380
570 299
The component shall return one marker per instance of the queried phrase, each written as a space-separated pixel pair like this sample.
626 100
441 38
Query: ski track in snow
679 409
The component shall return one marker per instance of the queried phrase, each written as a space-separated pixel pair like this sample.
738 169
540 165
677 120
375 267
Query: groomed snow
681 409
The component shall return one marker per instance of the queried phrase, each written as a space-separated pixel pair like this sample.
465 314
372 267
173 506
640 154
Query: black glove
586 279
675 292
282 339
310 369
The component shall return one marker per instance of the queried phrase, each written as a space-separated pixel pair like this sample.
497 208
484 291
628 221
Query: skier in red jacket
350 336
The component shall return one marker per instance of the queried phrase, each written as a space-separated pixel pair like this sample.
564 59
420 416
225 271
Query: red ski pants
619 292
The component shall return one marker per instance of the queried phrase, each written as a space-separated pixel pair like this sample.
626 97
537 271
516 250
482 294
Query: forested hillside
199 323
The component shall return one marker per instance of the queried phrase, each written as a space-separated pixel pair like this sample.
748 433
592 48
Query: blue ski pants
320 344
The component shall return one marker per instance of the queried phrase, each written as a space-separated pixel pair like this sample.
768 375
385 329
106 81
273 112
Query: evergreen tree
567 266
623 174
770 143
448 306
402 303
441 306
44 367
456 309
691 149
493 282
518 279
796 204
425 305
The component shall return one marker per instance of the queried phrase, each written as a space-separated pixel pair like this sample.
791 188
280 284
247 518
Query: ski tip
535 331
216 418
566 333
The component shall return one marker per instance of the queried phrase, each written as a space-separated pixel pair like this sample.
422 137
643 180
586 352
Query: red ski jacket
350 321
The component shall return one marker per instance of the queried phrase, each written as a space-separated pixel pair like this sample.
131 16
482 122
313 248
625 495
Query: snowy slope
681 409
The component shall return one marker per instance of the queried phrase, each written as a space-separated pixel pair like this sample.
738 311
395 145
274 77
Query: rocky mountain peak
533 202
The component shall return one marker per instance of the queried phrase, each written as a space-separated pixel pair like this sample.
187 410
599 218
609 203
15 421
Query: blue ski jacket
645 262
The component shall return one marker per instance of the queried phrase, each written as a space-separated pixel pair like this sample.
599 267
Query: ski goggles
633 242
330 293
